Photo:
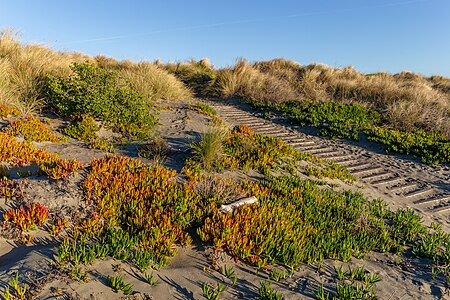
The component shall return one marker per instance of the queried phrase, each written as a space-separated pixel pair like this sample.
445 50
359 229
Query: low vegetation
117 283
241 148
412 106
32 130
28 217
139 214
18 153
356 283
350 120
83 128
12 190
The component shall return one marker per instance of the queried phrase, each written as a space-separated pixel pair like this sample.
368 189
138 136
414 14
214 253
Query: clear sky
371 35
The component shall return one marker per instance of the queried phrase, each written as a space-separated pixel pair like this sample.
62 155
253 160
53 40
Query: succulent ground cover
11 189
138 215
18 153
7 110
297 222
33 130
141 214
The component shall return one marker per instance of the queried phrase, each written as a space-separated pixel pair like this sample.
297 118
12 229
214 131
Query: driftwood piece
232 206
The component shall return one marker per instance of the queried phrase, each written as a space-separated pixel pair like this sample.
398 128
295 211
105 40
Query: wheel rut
423 188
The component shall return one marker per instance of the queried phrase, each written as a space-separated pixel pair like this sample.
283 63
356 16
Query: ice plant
22 153
11 189
28 217
32 130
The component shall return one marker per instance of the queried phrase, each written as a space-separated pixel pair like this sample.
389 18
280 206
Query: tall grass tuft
248 82
197 75
209 149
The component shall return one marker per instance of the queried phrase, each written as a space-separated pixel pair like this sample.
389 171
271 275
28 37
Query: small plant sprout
340 273
277 276
151 279
266 292
20 291
234 280
117 283
226 271
212 293
321 294
6 294
357 274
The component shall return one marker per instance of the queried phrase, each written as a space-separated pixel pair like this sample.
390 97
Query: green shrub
83 128
336 119
433 148
96 91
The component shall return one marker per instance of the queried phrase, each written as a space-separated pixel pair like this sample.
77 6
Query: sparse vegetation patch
32 130
22 153
244 149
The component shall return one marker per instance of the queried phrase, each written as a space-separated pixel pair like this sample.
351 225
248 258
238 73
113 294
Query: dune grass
24 68
147 79
407 101
24 72
197 75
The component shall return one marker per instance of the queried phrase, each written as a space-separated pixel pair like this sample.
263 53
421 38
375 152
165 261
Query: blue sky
371 35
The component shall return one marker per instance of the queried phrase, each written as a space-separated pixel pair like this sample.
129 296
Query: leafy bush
83 128
96 91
